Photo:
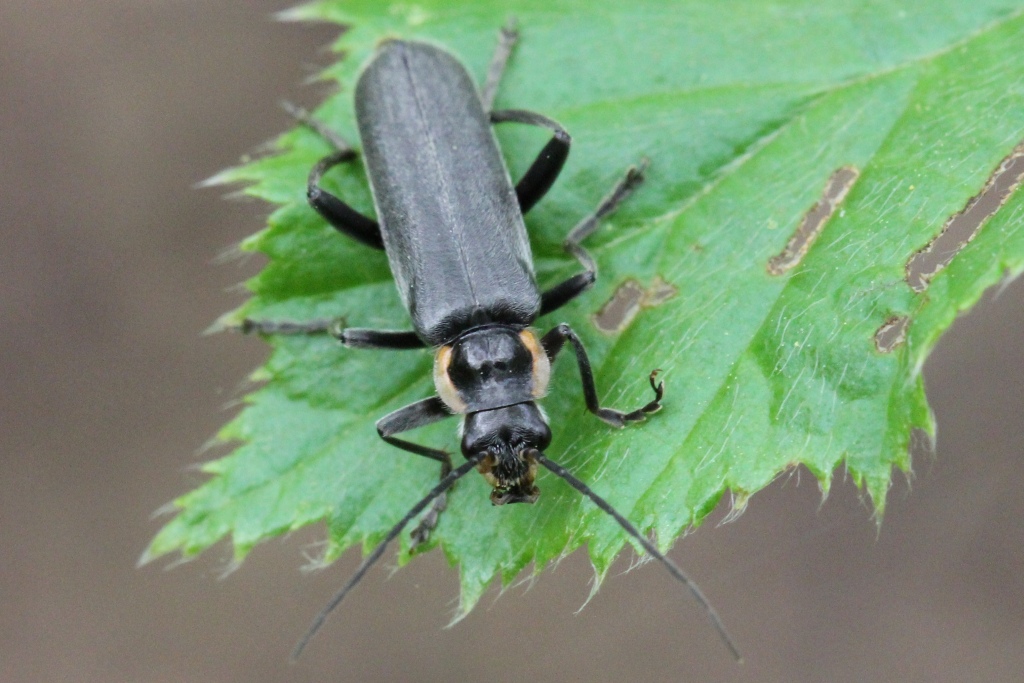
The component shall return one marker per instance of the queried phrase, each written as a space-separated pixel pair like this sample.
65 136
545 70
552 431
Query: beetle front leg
553 342
415 415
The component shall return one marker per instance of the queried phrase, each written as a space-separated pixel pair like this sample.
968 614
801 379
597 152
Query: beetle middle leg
415 415
352 337
553 342
287 327
569 289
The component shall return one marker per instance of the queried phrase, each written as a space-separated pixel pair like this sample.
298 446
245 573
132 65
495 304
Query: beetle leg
361 338
340 215
507 39
319 326
566 291
553 342
419 414
415 415
545 168
548 164
353 337
586 227
306 119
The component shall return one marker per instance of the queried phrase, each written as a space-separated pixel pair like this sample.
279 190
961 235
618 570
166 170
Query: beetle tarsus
421 534
553 342
586 227
287 327
305 118
507 39
569 289
652 407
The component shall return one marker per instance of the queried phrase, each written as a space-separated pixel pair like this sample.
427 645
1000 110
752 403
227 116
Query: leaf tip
878 489
232 320
219 179
145 558
738 500
160 546
312 11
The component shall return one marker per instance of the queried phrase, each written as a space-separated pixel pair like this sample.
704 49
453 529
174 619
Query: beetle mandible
451 223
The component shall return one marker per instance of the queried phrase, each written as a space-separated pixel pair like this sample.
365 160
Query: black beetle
451 223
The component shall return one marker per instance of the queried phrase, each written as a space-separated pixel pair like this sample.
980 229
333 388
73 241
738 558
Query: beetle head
510 437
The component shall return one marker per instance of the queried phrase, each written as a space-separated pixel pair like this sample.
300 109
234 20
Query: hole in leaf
658 293
836 188
892 333
620 309
629 297
964 226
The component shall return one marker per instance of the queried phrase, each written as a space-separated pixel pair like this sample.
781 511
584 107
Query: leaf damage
963 226
892 333
836 188
628 300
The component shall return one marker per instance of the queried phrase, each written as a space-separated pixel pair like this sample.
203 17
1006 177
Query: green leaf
746 110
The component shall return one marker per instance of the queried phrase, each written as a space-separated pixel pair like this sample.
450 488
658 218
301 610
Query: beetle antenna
673 569
446 483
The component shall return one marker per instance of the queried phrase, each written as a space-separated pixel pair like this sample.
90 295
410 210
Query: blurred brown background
110 112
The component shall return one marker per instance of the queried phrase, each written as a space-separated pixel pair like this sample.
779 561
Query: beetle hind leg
340 215
305 118
545 169
507 39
